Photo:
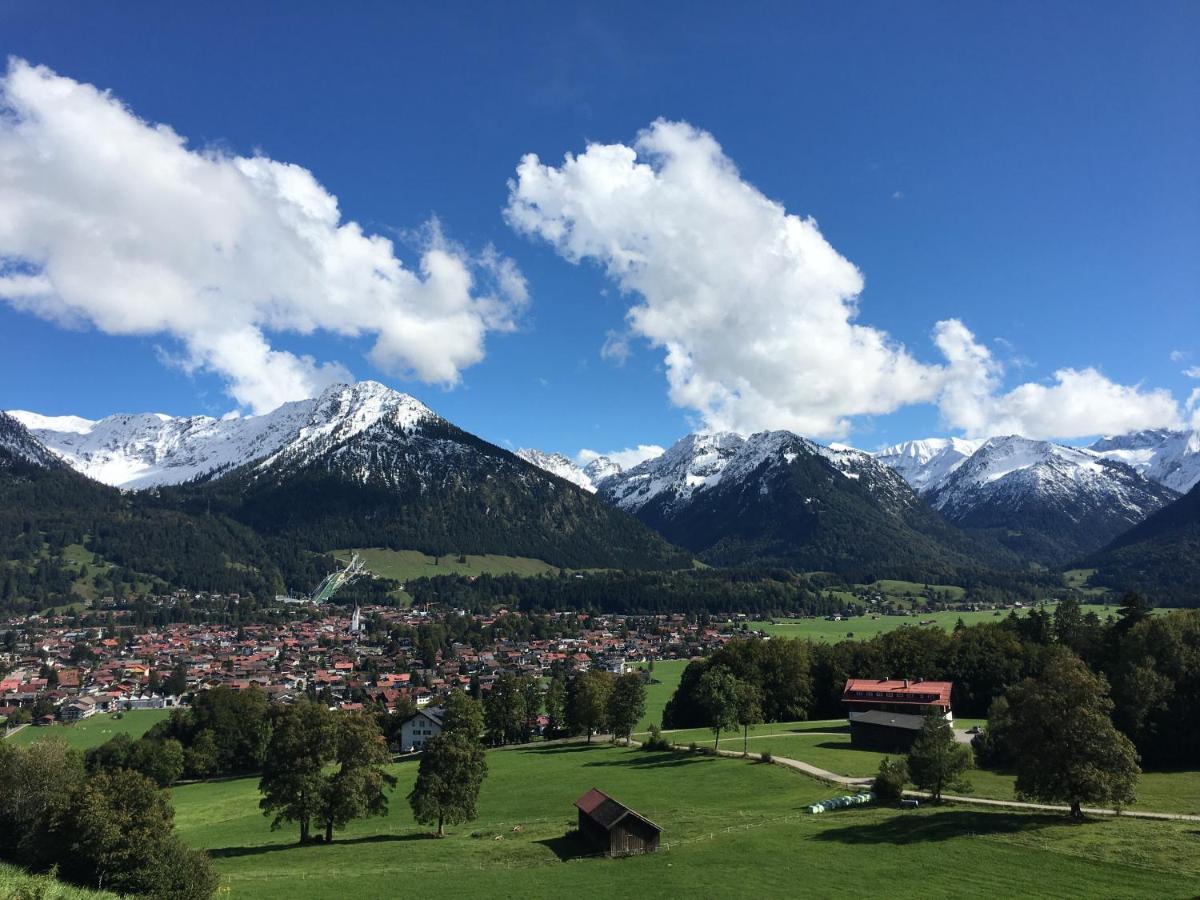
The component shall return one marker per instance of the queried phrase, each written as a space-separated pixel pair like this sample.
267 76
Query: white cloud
626 459
1193 408
1077 403
1193 372
752 307
615 348
1178 355
113 222
757 315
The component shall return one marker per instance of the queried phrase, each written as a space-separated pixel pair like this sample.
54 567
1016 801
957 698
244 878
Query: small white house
419 728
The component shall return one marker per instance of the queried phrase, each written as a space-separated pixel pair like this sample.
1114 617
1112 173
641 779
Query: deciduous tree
936 760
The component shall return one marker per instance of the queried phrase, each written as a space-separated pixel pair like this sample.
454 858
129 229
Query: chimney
906 682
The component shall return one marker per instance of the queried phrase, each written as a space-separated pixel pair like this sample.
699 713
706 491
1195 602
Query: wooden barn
613 828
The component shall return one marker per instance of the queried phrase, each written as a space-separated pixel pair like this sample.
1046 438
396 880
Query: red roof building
887 714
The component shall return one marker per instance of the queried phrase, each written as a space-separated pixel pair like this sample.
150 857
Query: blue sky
1029 170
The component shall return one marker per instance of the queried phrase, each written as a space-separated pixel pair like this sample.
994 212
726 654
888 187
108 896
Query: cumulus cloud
753 308
113 222
1075 403
626 459
757 315
1193 372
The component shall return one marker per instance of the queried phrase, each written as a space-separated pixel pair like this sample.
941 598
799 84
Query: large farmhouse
417 730
886 714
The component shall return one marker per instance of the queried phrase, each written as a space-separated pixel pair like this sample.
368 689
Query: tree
504 710
449 778
531 693
587 702
1067 748
463 716
200 760
556 703
36 785
357 788
120 833
161 761
303 740
718 692
889 782
749 711
176 683
936 760
993 746
626 704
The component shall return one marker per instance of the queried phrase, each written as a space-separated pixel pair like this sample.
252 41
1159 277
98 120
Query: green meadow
731 828
826 744
663 682
870 625
93 731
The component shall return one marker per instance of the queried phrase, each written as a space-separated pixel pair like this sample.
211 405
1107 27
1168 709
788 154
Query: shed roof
607 812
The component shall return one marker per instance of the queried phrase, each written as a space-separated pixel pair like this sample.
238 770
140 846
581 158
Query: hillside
378 469
777 498
1159 557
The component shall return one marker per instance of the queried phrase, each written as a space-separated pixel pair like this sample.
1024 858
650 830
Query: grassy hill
93 731
731 828
17 884
864 627
827 744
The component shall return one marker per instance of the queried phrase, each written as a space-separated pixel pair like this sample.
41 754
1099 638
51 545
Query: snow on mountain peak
151 449
926 464
1169 457
557 464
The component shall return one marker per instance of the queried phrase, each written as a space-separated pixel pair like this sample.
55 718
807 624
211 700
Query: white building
418 729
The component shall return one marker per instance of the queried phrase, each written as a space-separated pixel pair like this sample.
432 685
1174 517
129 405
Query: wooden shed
613 828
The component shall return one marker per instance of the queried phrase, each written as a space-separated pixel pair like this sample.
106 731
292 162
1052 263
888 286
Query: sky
602 226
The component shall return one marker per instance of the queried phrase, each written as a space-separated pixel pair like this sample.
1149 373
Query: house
612 828
78 709
419 728
887 714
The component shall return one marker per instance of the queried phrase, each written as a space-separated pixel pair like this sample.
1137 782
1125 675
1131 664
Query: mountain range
364 465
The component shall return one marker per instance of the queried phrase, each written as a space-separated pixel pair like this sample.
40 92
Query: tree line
112 830
1151 661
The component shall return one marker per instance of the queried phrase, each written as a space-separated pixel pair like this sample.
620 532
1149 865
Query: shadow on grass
569 846
915 828
229 852
651 760
566 748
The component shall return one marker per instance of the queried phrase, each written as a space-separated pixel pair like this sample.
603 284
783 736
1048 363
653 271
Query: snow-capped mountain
777 497
150 449
1049 502
557 464
928 463
16 442
601 468
1171 458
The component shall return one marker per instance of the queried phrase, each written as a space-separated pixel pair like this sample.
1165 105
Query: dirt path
846 781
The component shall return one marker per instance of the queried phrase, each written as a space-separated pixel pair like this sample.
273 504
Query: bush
889 783
693 746
766 757
656 741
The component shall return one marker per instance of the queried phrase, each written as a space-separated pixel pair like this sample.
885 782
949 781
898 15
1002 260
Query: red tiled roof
896 691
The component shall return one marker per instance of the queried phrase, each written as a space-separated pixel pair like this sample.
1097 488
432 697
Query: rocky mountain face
926 464
557 464
361 465
1047 502
1171 458
781 499
18 444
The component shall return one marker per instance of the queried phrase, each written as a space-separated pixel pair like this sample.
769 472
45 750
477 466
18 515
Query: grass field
94 731
17 884
404 565
732 828
827 744
867 627
667 673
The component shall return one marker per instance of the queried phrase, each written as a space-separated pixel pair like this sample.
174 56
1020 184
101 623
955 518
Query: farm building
886 714
417 730
613 828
